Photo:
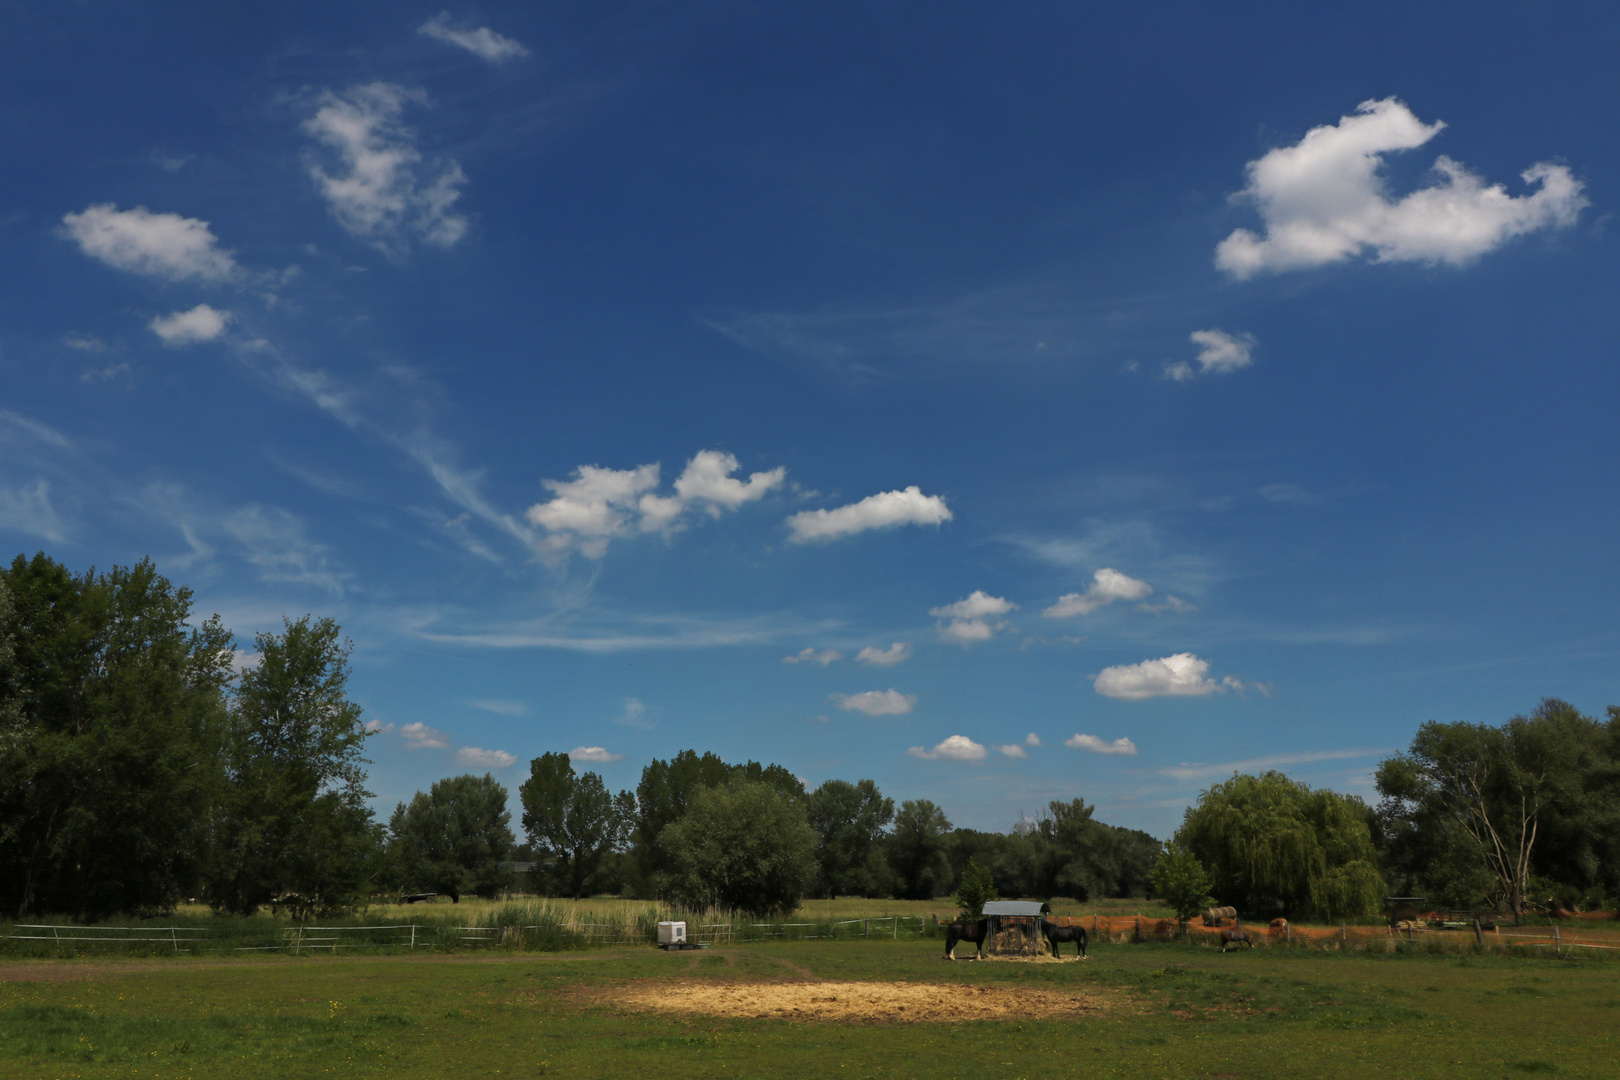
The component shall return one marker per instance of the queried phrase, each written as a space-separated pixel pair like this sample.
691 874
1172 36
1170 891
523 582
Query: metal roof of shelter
1013 907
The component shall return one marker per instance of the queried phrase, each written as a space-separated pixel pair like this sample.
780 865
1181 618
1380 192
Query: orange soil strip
896 1002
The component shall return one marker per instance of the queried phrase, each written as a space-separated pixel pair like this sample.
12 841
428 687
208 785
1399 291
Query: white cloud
85 343
1013 750
1171 603
886 510
201 323
485 759
483 42
876 702
599 504
707 481
955 748
1323 200
1186 771
593 753
29 510
1032 739
872 656
1107 586
808 655
500 707
375 726
594 506
419 736
1181 675
1099 746
159 245
377 194
975 618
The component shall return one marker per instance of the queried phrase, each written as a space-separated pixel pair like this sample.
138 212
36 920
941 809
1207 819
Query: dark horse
961 930
1056 934
1235 936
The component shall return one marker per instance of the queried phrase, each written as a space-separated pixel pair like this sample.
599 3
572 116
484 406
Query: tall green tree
113 719
1475 813
295 829
573 823
742 846
1181 881
665 793
1274 845
849 821
454 838
918 851
977 888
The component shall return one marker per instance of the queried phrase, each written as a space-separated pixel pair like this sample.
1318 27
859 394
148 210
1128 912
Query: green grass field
1172 1010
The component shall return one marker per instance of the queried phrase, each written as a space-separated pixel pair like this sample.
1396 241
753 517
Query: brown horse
961 930
1055 934
1235 935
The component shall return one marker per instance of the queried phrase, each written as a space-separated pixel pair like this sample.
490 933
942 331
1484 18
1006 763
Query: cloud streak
886 510
876 702
165 246
484 43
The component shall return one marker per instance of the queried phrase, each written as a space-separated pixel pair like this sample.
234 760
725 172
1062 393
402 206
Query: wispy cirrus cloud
1186 771
500 707
484 43
889 702
808 655
381 192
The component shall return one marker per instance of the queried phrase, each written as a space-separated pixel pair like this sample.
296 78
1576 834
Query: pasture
842 1009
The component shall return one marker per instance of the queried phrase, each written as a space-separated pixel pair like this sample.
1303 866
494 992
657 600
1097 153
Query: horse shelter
1014 928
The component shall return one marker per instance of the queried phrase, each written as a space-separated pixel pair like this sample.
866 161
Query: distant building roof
1013 907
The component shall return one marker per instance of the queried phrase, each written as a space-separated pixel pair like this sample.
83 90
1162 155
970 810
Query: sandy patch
897 1002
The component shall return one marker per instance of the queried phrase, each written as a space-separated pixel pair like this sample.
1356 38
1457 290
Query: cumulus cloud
593 753
1032 739
886 510
1013 750
201 323
975 618
1219 353
379 192
1323 200
1099 746
876 702
955 748
419 736
872 656
483 42
1180 675
158 245
375 726
485 759
808 655
599 504
1107 586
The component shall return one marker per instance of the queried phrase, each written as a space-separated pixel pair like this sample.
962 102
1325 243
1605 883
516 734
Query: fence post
175 939
1479 935
413 937
895 926
1344 935
1558 942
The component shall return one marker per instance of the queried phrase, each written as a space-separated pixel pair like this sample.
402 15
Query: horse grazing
961 930
1056 935
1235 935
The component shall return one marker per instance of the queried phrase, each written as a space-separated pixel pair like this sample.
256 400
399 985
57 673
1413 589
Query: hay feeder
1015 928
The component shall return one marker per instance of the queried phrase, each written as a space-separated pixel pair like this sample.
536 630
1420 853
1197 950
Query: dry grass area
867 1002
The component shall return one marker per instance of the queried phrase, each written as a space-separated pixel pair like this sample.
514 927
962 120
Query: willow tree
1272 844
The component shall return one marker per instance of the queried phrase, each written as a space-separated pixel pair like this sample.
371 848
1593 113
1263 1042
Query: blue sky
1005 404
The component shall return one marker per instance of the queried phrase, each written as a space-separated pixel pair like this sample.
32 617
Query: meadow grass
1179 1010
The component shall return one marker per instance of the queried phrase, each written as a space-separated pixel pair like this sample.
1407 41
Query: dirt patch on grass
877 1002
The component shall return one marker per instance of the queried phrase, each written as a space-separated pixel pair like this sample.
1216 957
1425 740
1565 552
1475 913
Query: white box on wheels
671 933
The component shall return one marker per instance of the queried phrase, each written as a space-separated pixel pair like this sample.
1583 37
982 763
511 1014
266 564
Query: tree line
142 764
